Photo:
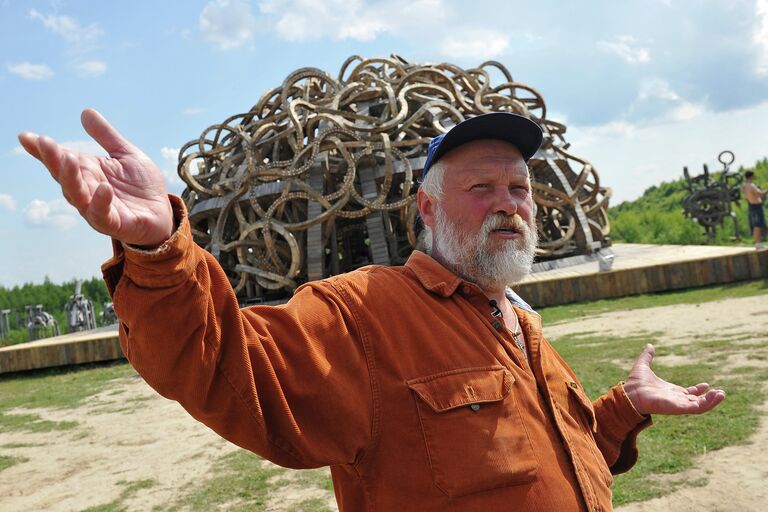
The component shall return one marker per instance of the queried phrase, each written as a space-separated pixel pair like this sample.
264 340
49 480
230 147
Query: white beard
491 264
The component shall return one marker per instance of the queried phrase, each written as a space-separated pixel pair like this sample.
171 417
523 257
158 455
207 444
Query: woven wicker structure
319 177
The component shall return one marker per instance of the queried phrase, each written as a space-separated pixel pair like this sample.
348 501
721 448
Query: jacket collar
432 275
437 279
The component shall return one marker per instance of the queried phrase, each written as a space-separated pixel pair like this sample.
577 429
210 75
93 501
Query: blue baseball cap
513 128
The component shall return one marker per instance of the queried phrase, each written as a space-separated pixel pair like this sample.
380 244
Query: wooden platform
77 348
636 269
640 268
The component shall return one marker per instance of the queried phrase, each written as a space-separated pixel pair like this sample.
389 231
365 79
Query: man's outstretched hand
123 196
652 395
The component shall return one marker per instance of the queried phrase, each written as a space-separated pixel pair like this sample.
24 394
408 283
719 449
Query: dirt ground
128 433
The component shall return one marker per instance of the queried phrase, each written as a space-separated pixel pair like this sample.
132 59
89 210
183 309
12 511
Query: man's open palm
652 395
123 196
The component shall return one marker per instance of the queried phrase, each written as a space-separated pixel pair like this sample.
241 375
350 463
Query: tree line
53 297
657 216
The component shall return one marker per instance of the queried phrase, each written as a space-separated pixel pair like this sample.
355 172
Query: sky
644 86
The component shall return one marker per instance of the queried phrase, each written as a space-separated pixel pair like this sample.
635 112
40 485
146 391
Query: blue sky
645 87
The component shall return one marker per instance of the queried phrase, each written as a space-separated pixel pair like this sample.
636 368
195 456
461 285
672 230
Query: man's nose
506 202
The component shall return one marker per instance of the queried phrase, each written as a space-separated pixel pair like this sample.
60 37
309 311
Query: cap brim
513 128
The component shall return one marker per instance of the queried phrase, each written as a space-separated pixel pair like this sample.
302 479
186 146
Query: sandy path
128 433
117 440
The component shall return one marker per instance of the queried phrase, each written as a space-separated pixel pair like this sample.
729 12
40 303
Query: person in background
756 213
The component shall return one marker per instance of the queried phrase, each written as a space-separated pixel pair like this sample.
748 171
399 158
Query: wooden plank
718 268
68 349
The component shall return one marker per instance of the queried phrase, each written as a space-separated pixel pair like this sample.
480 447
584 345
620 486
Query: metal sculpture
709 201
40 324
79 311
108 315
5 323
319 177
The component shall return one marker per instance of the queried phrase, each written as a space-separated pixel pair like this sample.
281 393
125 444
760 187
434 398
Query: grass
693 296
55 388
8 461
242 481
239 479
131 487
672 444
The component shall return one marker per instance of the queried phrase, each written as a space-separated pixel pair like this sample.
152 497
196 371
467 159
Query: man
427 387
755 198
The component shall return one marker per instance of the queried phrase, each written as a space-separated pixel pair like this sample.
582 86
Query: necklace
516 335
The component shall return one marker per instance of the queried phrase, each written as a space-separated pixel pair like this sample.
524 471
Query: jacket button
475 407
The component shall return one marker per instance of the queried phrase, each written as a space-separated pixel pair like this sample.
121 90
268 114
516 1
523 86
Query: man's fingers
72 184
103 133
51 155
698 389
99 212
647 355
710 400
28 141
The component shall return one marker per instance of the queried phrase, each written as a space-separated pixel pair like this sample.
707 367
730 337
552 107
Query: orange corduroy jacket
395 377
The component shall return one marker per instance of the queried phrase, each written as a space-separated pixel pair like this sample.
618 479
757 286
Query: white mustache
499 221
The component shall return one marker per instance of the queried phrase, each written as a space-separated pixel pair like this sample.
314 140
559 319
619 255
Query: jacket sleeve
618 424
288 382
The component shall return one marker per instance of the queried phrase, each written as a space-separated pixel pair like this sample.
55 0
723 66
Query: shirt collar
432 275
436 278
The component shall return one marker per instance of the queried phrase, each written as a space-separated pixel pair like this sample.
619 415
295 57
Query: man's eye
480 185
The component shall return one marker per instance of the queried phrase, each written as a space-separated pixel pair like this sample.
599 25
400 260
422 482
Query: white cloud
626 47
760 37
56 214
474 43
68 28
304 20
170 160
84 146
657 102
7 201
687 111
30 71
91 68
656 88
227 24
169 153
18 151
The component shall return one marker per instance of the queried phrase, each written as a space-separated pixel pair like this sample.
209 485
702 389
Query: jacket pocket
474 433
585 405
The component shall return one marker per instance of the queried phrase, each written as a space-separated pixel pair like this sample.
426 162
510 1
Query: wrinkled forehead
485 155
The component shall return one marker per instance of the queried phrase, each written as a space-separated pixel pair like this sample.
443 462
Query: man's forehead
490 150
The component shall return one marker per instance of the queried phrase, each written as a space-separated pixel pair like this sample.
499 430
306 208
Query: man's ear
426 209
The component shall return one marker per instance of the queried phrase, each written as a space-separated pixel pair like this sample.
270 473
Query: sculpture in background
79 311
108 315
5 323
709 201
40 324
319 177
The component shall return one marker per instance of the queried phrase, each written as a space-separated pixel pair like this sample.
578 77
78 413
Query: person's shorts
756 216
